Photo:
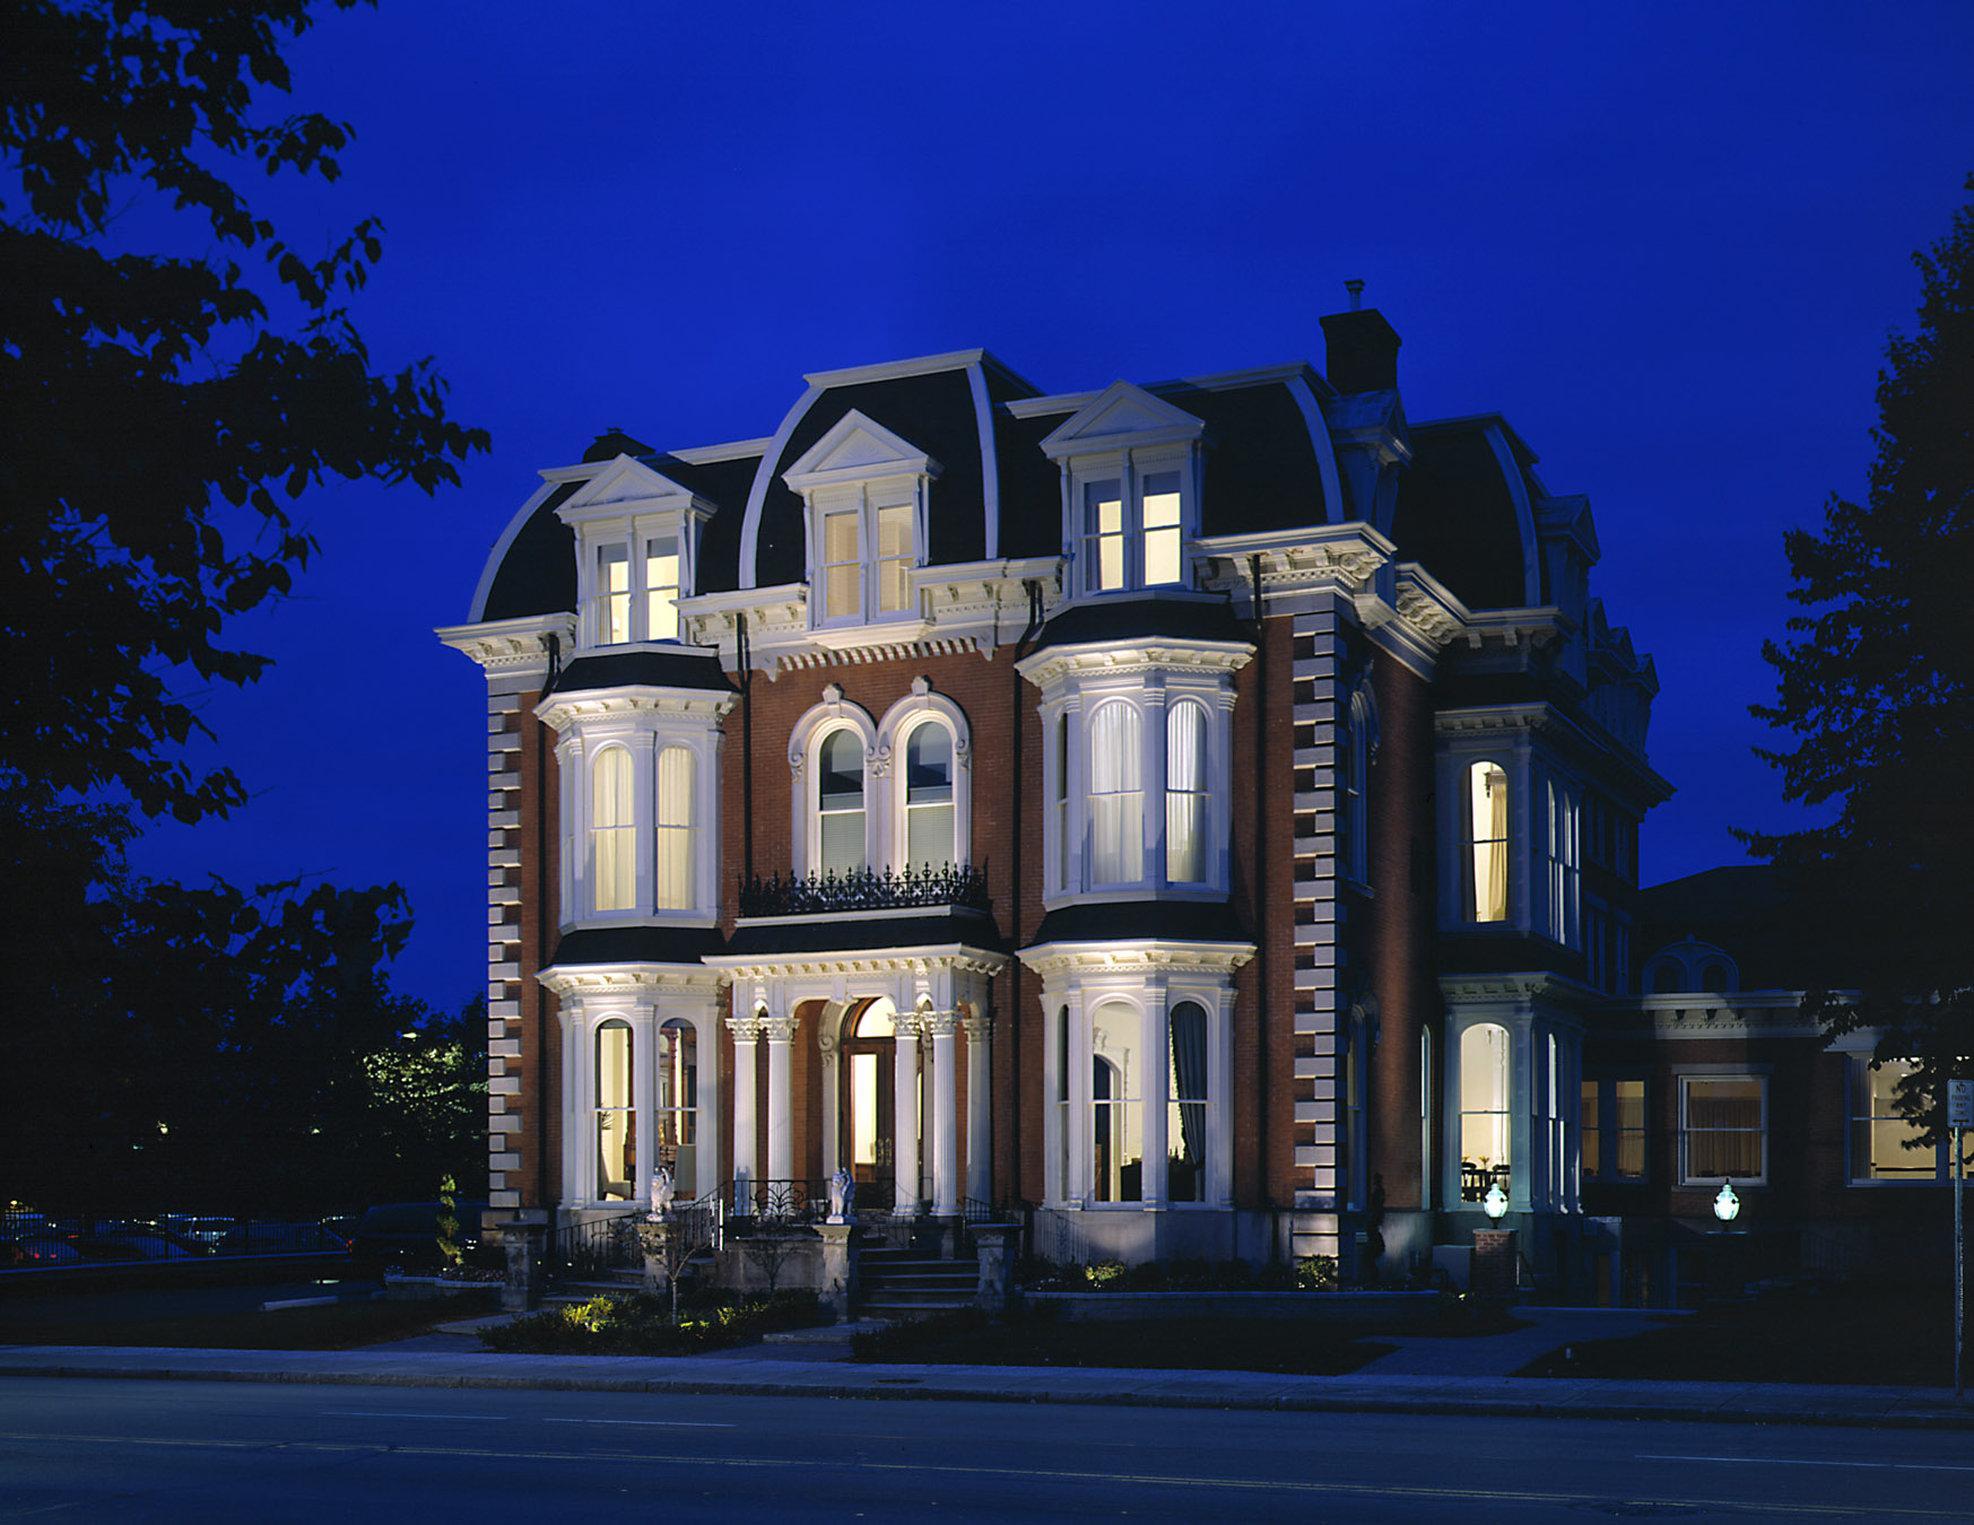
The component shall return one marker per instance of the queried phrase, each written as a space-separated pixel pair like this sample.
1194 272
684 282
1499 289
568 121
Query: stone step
897 1311
924 1279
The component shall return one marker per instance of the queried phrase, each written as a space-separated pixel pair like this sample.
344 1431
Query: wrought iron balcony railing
864 890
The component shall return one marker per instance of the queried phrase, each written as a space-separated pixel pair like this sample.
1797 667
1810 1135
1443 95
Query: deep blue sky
1667 242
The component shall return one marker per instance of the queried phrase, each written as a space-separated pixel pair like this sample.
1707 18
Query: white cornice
516 645
1048 666
1517 987
559 711
1703 1014
1347 556
889 370
957 957
1136 954
712 455
1539 715
571 980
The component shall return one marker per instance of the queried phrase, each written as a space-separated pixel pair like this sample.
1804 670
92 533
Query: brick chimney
1362 347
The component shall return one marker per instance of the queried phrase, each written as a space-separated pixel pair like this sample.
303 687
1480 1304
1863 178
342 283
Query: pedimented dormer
637 538
1130 465
864 491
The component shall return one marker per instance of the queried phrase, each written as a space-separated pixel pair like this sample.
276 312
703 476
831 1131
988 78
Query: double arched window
929 800
612 832
840 811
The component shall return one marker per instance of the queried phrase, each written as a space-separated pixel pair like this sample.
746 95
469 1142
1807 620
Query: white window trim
1128 468
834 713
859 465
1699 1072
623 502
924 706
1857 1089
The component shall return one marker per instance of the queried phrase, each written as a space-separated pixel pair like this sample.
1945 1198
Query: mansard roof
1465 511
687 667
1168 616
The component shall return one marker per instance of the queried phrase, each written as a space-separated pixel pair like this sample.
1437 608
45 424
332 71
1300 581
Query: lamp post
1727 1206
1495 1203
1495 1261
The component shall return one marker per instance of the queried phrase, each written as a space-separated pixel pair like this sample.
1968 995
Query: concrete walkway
1502 1355
758 1374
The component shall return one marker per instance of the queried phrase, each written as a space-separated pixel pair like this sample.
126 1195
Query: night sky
1667 242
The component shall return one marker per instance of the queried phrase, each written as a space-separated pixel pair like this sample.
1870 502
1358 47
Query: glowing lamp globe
1495 1203
1727 1206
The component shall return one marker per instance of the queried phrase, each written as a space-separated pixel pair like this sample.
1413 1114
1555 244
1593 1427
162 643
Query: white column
781 1107
644 1083
904 1113
1155 1086
945 1130
1522 1133
979 1140
746 1171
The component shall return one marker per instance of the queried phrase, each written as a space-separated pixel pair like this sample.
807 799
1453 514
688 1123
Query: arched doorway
867 1078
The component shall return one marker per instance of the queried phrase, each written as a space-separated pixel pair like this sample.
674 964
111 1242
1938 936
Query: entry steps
897 1282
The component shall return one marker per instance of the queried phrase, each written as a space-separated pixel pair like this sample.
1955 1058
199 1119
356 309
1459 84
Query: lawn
341 1326
1888 1338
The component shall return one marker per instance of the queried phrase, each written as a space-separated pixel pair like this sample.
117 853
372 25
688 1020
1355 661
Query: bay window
1185 793
1117 835
1116 1106
1485 1133
1061 792
1723 1128
676 848
1185 1176
1487 791
615 1115
613 832
1565 851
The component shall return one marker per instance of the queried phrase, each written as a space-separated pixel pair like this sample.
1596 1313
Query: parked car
38 1251
406 1235
140 1244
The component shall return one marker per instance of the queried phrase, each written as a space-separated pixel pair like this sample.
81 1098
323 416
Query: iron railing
793 1201
595 1245
864 890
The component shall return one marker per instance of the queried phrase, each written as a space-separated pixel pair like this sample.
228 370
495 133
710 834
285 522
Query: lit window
1885 1144
1186 1126
1485 1154
1723 1128
1062 802
616 1118
929 798
1590 1125
613 595
1629 1109
895 558
1185 794
1135 544
1064 1120
678 1105
1117 1112
613 832
675 844
843 565
1103 534
1487 787
1116 797
1159 513
840 803
661 589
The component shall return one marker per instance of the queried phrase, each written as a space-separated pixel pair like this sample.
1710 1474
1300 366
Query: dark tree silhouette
1876 689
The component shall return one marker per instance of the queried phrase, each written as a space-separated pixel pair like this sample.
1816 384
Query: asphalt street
153 1450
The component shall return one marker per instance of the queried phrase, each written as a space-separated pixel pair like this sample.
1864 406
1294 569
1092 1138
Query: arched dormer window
1487 829
613 832
1186 796
840 812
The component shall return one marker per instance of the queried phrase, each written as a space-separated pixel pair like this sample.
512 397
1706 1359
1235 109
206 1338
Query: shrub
640 1324
901 1342
1316 1273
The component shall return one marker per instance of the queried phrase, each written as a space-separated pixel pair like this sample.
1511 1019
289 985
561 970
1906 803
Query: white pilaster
746 1171
780 1033
979 1137
644 1084
904 1150
945 1130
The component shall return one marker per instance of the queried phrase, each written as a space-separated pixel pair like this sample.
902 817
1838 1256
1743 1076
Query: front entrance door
869 1093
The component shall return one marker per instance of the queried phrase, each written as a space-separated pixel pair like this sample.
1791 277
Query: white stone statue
842 1196
662 1192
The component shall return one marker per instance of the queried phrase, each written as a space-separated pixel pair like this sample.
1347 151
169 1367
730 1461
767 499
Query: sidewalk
770 1376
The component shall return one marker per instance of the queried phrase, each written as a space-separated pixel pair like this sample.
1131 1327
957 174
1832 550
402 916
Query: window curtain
1116 798
929 822
1190 1096
612 834
675 829
1185 794
1490 826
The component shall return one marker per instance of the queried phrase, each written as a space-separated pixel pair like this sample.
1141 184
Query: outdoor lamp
1727 1206
1495 1203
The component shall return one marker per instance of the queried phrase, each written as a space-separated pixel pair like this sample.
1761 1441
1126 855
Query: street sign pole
1960 1116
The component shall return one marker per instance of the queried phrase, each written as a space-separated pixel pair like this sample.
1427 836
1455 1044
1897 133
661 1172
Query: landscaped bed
640 1324
1878 1338
337 1326
1036 1338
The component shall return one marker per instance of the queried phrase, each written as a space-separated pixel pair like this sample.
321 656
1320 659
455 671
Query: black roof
849 932
725 484
688 667
538 573
1746 909
636 945
1456 515
1167 921
1261 470
1179 617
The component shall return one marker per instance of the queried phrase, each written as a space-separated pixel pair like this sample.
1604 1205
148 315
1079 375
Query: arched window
929 818
678 1105
1487 788
1484 1132
1356 759
675 832
840 803
1117 1063
616 1118
1186 1126
1117 832
1713 976
612 832
1185 794
1667 977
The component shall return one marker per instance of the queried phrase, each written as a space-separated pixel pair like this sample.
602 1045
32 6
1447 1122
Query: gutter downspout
542 929
1015 792
1261 902
743 656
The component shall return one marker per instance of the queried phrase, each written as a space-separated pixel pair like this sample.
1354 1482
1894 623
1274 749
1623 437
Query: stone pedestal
839 1267
654 1235
995 1244
523 1234
1495 1264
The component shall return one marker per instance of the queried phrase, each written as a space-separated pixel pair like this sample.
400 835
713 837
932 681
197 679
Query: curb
924 1390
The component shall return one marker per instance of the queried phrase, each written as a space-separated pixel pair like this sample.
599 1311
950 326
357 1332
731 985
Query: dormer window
866 491
1131 463
638 530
